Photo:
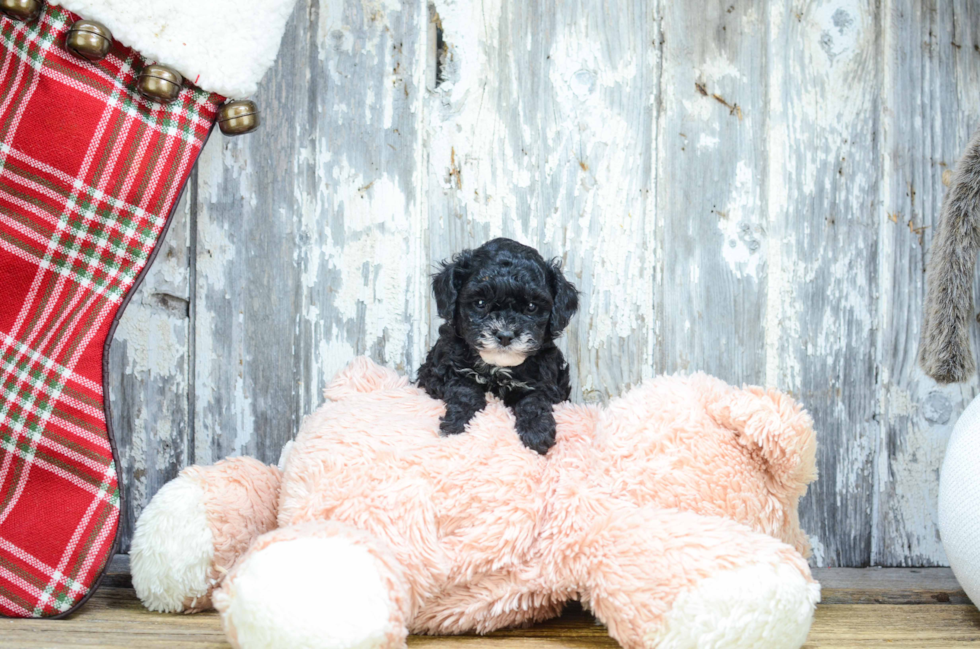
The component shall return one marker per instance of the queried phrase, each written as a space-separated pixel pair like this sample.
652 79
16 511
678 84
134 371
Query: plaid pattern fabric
89 174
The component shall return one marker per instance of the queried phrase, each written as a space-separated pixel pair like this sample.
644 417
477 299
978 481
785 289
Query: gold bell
89 40
21 10
238 117
159 83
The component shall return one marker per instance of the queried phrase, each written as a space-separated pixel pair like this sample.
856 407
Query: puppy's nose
504 337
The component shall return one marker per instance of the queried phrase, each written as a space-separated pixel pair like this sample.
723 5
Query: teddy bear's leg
194 529
319 584
675 580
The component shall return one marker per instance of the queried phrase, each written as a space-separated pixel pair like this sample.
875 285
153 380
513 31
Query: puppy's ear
564 296
448 281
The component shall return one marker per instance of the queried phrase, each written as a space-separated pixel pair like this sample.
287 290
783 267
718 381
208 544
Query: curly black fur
944 351
503 307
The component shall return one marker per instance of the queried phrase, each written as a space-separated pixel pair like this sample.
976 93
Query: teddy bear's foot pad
753 607
173 549
306 593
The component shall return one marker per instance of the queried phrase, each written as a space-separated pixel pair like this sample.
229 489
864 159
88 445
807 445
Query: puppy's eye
531 308
480 304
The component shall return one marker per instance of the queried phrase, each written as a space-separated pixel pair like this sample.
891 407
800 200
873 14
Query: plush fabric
671 514
959 501
89 175
223 46
944 351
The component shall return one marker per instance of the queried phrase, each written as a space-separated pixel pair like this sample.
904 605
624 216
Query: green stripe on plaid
172 119
75 232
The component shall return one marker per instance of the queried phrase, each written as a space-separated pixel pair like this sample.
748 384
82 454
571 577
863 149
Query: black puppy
503 307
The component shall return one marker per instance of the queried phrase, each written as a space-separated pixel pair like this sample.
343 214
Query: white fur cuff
223 46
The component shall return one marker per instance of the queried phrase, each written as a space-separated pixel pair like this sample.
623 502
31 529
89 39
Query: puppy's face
504 300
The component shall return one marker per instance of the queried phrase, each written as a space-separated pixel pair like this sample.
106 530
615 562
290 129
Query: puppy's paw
537 432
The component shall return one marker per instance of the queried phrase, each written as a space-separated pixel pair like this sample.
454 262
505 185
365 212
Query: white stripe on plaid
80 432
30 460
78 234
46 43
33 561
83 407
9 366
70 549
20 581
78 458
62 313
23 612
35 236
125 69
45 415
27 307
93 192
88 384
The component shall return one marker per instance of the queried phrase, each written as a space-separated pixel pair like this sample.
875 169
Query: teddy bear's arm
195 528
666 578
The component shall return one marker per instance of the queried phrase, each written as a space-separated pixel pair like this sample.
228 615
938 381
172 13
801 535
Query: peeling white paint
818 558
565 164
742 246
573 169
706 141
245 429
156 345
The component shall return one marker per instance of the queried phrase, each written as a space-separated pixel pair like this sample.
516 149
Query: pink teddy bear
671 514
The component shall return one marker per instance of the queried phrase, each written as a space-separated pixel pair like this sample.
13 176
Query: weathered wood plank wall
741 187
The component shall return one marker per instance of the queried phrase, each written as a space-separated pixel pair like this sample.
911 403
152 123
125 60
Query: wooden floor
899 608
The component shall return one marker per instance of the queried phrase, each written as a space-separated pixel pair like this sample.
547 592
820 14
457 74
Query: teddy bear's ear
775 426
362 375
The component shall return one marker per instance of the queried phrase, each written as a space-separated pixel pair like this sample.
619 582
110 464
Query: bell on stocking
238 117
89 39
21 10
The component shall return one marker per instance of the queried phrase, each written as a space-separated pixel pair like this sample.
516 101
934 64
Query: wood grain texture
711 173
150 363
247 342
822 191
114 618
932 60
745 189
889 586
541 129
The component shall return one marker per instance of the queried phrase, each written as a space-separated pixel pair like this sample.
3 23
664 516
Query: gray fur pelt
944 351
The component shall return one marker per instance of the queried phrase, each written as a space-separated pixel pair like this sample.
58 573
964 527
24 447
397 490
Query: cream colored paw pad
310 593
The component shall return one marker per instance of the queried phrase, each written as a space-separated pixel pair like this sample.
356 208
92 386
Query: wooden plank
580 128
908 627
307 246
541 130
929 113
114 618
361 236
149 374
245 279
889 586
711 172
838 585
822 188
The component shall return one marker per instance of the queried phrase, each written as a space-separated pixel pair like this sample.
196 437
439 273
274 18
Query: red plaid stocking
89 175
